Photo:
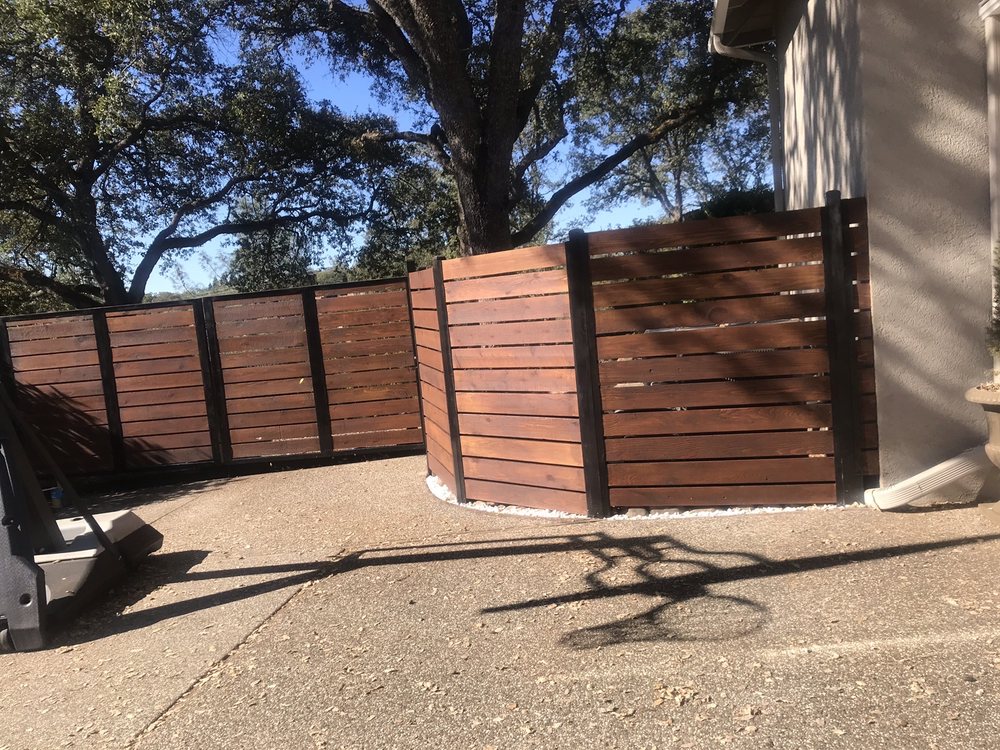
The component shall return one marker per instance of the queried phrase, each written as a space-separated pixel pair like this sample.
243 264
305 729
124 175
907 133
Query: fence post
212 396
588 377
218 415
317 369
449 381
9 380
845 389
102 338
410 268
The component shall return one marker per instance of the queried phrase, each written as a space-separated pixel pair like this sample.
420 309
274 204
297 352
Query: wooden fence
724 362
302 373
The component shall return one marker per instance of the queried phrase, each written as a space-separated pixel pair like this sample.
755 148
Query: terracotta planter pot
990 401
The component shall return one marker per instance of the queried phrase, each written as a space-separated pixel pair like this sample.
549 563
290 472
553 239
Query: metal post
588 378
449 381
845 389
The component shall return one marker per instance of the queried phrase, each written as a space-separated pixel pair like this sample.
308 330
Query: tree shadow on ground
677 606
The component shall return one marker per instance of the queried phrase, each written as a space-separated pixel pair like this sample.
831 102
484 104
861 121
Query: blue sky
353 95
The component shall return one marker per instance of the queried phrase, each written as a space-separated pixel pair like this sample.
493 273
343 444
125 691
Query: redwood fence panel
427 334
511 342
159 384
368 356
674 365
54 371
242 379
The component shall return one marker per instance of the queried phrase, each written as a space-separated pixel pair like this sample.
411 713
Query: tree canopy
130 132
511 92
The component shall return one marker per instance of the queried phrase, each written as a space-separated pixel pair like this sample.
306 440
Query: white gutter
964 474
716 46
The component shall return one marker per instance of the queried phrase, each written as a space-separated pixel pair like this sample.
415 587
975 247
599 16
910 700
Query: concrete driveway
343 607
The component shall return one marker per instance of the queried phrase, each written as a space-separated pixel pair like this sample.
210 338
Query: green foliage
272 259
126 137
757 200
523 104
655 60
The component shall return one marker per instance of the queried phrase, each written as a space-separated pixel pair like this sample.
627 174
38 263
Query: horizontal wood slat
718 393
709 340
508 310
738 445
696 421
500 287
709 286
527 496
708 259
739 495
706 232
509 262
756 471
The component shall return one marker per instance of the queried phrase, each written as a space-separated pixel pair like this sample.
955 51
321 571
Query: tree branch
432 140
79 296
163 244
558 199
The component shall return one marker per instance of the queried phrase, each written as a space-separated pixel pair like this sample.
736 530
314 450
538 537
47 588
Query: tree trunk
94 249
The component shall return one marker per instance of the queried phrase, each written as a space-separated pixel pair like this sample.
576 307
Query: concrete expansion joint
217 666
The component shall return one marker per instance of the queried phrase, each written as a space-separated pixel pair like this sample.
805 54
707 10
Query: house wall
923 71
818 47
887 98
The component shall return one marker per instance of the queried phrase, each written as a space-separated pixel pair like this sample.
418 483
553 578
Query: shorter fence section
242 379
711 363
427 324
511 346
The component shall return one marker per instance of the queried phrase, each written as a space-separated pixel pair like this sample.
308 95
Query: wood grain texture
727 495
532 474
508 262
699 421
738 445
718 393
708 259
752 471
706 232
525 496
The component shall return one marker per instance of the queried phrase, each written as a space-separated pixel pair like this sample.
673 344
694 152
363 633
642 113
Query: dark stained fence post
588 380
410 268
218 415
842 347
317 369
110 387
449 381
7 378
213 397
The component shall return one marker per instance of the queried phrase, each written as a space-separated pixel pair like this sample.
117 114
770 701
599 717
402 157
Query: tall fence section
305 373
708 363
712 363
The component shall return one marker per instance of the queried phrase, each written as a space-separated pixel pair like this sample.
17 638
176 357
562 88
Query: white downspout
973 465
774 106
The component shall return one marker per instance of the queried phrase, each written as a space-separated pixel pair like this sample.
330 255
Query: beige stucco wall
819 54
888 98
923 69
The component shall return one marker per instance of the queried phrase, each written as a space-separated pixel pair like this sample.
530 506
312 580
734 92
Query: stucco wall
887 98
819 52
923 69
